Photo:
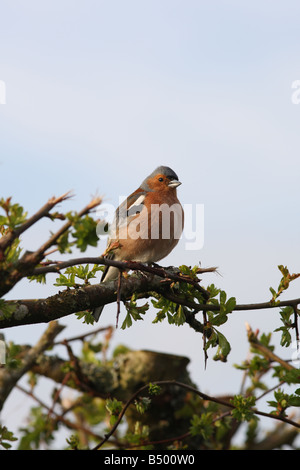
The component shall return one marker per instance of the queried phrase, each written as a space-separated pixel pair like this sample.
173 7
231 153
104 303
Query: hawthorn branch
163 272
66 302
125 266
26 265
52 240
32 259
11 235
88 297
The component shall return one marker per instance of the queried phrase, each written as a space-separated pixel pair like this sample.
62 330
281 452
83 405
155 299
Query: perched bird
147 225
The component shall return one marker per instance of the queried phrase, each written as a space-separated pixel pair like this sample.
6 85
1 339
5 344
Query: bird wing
129 209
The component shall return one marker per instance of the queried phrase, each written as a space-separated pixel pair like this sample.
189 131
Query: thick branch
29 311
117 379
165 273
157 279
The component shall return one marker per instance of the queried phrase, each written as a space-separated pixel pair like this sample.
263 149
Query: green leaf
223 297
63 280
134 312
179 316
82 272
294 400
243 407
284 282
224 347
40 278
202 425
287 324
218 319
39 429
127 322
85 232
6 435
15 215
87 316
63 244
114 407
230 304
154 389
213 290
142 404
185 270
73 442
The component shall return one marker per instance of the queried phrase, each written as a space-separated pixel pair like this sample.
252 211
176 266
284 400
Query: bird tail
97 312
109 274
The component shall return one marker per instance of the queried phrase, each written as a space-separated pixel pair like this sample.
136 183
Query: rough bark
66 302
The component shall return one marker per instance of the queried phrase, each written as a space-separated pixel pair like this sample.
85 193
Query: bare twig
252 337
84 335
52 240
26 264
10 236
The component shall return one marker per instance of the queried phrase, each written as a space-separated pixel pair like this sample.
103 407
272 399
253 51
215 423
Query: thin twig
40 251
10 236
119 296
84 335
79 375
204 338
253 340
58 392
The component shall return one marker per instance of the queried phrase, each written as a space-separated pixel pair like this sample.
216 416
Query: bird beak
174 184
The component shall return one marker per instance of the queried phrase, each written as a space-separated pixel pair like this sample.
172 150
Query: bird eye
160 179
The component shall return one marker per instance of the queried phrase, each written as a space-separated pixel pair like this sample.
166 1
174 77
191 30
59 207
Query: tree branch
114 380
11 235
40 252
88 297
165 273
30 311
26 264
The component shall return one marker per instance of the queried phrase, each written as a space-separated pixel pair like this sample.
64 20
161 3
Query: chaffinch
147 225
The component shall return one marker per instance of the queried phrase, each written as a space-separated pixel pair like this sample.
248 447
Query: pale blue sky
99 93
